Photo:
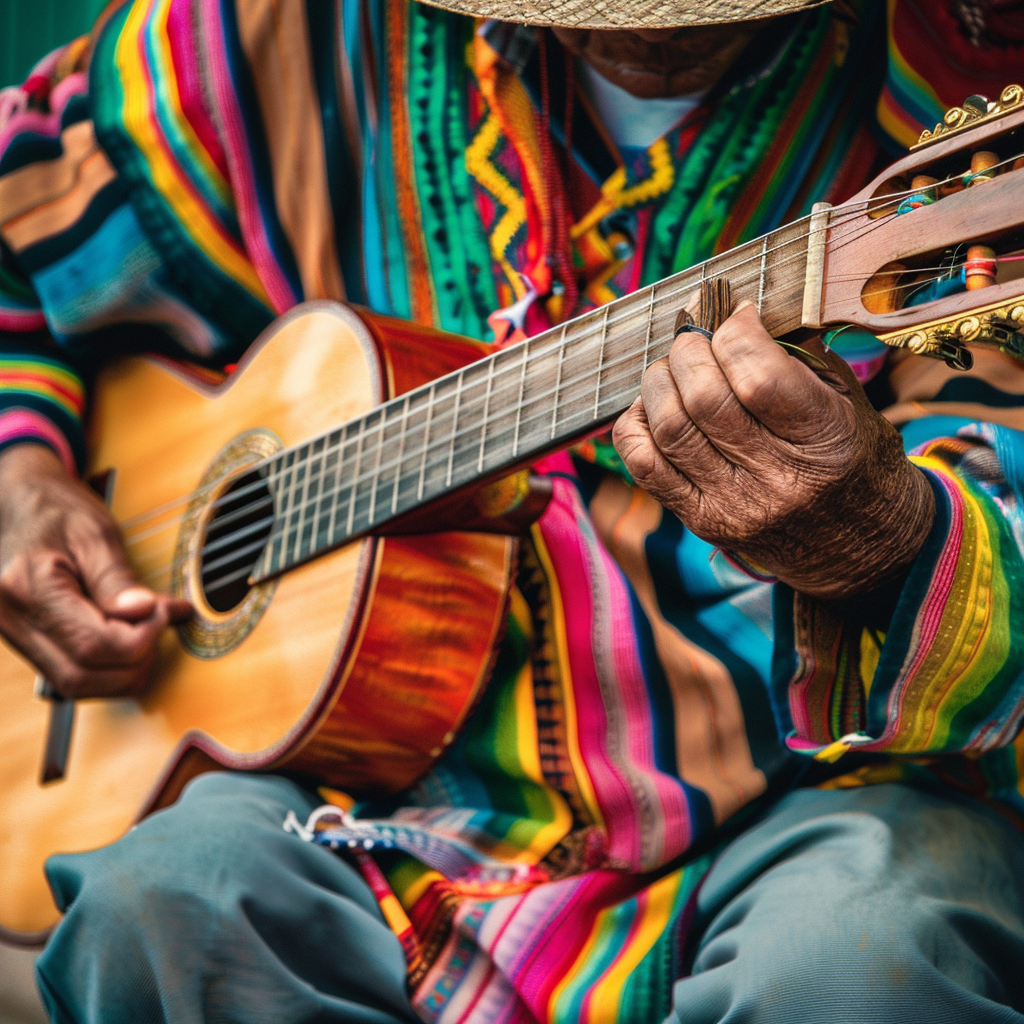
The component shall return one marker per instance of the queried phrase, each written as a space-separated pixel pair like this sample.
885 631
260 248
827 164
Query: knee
200 852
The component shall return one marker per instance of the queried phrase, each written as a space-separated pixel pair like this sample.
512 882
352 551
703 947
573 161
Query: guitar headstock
897 258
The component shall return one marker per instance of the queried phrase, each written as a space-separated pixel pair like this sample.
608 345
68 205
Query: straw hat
624 13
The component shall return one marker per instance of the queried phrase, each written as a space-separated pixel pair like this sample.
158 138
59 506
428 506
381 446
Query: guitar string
323 456
328 450
855 207
536 353
315 501
834 221
354 484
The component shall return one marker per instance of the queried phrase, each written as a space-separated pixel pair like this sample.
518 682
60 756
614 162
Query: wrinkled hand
68 598
789 467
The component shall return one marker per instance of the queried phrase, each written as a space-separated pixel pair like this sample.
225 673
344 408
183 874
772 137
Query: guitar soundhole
241 524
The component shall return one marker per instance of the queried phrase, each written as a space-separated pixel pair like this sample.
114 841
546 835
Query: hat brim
624 14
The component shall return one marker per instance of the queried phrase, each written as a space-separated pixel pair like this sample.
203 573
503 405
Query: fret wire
344 443
764 268
296 487
487 409
333 516
297 543
600 361
314 486
519 403
355 477
281 540
650 331
558 382
376 468
401 453
455 427
426 440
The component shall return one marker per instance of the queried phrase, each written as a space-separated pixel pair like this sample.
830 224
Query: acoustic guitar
341 511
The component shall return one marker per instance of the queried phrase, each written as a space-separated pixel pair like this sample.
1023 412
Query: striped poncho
197 167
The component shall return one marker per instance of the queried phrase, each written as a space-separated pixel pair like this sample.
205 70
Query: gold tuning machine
1000 326
976 110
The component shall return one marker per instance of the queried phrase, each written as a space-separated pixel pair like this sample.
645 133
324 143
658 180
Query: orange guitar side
359 670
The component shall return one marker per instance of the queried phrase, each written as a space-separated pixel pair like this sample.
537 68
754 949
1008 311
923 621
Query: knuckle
755 390
86 647
673 433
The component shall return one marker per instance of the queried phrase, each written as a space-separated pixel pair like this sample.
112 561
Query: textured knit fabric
199 166
874 904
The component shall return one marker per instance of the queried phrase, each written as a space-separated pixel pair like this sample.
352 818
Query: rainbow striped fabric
197 167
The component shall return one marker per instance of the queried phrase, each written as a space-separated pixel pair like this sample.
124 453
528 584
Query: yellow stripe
41 366
953 666
528 755
607 994
479 165
165 179
51 394
569 978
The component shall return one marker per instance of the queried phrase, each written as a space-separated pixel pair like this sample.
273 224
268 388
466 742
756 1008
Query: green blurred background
29 29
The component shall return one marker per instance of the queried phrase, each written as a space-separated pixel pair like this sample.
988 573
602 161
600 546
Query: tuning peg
983 165
922 194
980 268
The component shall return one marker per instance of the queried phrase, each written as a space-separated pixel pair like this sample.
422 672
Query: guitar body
356 668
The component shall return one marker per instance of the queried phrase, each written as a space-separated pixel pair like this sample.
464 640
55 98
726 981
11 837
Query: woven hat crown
624 14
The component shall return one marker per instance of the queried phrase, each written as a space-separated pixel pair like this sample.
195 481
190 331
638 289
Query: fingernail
132 598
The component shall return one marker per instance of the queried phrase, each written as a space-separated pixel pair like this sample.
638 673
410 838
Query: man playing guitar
711 776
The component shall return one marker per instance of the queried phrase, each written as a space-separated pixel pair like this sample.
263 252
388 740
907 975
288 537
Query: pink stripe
243 183
29 320
38 123
930 617
674 819
24 423
186 70
588 579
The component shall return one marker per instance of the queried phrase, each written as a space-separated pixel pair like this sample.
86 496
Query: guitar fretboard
506 410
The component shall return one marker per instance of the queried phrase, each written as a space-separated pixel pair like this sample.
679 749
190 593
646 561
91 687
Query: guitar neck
508 409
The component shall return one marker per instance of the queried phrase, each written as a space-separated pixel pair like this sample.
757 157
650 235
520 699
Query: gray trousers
868 905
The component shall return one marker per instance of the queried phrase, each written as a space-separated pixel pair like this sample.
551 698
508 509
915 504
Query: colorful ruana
648 697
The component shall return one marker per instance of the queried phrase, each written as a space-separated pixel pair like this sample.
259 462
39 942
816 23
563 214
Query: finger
779 391
678 438
650 469
54 603
106 576
75 681
709 400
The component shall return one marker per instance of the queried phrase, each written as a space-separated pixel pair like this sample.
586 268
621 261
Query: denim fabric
210 911
868 905
860 906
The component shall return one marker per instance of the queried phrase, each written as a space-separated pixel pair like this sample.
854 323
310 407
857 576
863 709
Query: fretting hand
787 466
68 598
